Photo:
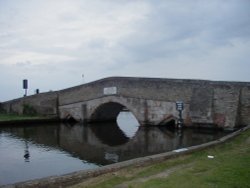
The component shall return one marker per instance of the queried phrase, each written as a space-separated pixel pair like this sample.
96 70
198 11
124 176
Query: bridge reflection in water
93 145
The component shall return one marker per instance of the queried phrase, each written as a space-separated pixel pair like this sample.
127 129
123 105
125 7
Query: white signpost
180 107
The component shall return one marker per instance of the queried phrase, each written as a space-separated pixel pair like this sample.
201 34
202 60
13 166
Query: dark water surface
36 151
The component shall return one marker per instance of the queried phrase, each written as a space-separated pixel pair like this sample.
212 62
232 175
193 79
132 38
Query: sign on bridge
110 90
179 105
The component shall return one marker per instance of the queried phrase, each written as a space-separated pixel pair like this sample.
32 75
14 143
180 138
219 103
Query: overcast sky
52 43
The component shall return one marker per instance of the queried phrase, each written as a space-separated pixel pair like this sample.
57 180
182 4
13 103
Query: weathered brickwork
244 106
226 104
201 104
44 103
151 100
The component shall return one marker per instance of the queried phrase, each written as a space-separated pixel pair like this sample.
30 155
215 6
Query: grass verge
15 117
229 168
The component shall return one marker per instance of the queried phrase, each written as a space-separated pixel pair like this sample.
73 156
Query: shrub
29 110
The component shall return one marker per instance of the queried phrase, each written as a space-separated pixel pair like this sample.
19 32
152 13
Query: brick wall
44 103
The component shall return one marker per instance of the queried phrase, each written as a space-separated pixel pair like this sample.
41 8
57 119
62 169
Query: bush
2 111
29 110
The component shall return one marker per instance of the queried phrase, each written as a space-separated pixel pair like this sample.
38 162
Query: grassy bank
229 167
14 117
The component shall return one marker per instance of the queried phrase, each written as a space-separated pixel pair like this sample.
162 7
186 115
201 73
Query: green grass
15 117
230 168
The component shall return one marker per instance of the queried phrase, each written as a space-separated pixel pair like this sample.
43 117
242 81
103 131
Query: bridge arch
109 111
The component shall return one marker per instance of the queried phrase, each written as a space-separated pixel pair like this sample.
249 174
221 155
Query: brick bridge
151 100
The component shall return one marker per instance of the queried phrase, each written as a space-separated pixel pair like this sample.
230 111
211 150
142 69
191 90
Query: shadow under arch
108 112
109 133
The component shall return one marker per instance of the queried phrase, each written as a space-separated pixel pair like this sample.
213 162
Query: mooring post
179 107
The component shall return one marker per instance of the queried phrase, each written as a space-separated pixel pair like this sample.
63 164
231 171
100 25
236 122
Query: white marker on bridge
110 90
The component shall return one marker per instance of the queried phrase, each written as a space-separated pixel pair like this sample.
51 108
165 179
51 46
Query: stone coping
77 177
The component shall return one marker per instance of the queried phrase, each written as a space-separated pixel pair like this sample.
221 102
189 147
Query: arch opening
171 125
107 112
70 119
128 123
119 114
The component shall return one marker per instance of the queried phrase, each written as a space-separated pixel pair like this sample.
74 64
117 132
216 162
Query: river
35 151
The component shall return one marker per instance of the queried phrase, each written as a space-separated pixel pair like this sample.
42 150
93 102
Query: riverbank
10 119
15 117
226 165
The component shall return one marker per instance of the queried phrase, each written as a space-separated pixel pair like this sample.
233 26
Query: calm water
36 151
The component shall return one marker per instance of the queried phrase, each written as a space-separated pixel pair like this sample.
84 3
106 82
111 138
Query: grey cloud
23 64
173 29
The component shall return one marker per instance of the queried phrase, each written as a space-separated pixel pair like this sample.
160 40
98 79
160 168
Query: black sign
25 84
179 105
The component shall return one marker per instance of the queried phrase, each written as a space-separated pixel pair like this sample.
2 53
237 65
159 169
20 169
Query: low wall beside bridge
151 100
